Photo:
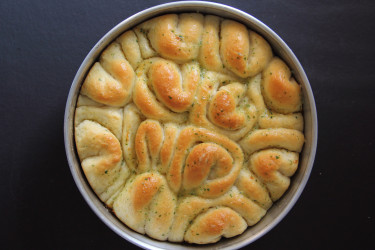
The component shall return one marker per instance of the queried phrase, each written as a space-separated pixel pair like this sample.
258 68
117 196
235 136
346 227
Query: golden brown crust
281 91
146 205
111 81
211 187
189 128
224 109
199 162
216 222
175 37
173 91
190 207
290 139
273 167
176 93
243 52
268 118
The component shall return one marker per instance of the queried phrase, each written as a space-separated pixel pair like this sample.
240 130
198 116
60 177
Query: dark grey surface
42 44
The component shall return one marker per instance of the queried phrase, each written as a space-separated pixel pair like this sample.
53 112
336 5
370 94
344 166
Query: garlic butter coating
189 128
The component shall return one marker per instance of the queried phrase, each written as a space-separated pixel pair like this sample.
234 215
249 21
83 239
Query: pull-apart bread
189 128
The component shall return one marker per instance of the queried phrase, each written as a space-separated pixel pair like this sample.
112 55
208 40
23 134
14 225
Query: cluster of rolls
189 128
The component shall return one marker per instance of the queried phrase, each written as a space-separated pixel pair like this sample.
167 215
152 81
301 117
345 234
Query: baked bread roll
273 167
189 128
228 46
281 91
101 159
269 118
147 205
174 37
164 90
223 105
110 81
216 222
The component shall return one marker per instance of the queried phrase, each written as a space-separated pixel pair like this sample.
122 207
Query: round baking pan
279 209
